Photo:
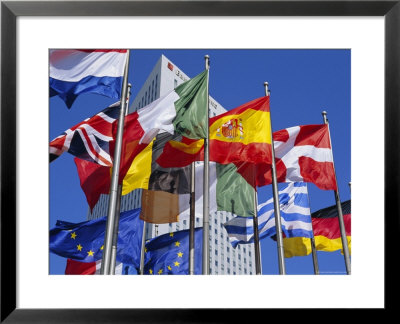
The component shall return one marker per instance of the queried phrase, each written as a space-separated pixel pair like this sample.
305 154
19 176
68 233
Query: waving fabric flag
181 153
142 172
229 192
326 232
73 72
303 154
168 254
89 140
242 134
74 267
84 241
295 217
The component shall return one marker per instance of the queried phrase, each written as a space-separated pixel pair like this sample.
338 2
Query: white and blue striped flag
295 217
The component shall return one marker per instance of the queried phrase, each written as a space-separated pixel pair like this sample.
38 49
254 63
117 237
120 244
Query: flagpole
206 209
192 216
277 212
257 253
312 240
106 262
339 208
118 206
142 249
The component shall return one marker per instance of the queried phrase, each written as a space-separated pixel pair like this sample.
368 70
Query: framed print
369 30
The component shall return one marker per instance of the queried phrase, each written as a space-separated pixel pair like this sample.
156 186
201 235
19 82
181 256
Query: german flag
326 232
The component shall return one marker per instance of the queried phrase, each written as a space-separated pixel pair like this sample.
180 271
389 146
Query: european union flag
85 241
169 253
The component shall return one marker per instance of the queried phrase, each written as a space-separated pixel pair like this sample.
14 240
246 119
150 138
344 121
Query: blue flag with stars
85 241
168 254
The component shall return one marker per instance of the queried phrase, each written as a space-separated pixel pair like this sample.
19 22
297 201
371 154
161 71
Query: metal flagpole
206 209
118 207
312 241
142 249
277 212
257 253
106 262
192 215
339 208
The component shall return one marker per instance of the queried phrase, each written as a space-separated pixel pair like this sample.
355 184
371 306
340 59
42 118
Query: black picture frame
10 10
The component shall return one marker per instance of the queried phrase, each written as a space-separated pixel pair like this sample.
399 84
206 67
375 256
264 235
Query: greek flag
295 217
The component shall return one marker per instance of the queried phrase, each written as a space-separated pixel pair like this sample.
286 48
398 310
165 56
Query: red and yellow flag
239 135
242 134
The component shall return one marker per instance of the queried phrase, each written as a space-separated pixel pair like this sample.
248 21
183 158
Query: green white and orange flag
229 191
240 135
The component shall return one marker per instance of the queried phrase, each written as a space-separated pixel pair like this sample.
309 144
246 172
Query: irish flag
229 191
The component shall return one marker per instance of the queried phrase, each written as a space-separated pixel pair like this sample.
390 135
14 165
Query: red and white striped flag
74 267
302 154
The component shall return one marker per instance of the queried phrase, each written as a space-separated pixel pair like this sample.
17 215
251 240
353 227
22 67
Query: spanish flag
240 135
326 229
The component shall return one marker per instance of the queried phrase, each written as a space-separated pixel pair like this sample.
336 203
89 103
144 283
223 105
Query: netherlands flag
73 72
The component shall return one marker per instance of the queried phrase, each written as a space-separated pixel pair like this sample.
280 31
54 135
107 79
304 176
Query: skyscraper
224 259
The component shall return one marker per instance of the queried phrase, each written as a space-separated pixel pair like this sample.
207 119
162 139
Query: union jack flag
88 140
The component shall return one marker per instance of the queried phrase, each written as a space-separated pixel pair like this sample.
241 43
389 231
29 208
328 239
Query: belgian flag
326 229
143 172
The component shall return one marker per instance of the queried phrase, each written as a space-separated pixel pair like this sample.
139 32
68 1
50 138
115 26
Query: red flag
82 268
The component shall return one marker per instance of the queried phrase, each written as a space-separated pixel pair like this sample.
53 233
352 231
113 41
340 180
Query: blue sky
303 83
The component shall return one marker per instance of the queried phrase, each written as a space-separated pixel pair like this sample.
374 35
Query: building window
175 83
228 260
245 271
229 271
216 241
239 256
216 252
215 221
152 93
184 222
234 263
227 249
145 98
245 261
216 231
155 87
216 263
